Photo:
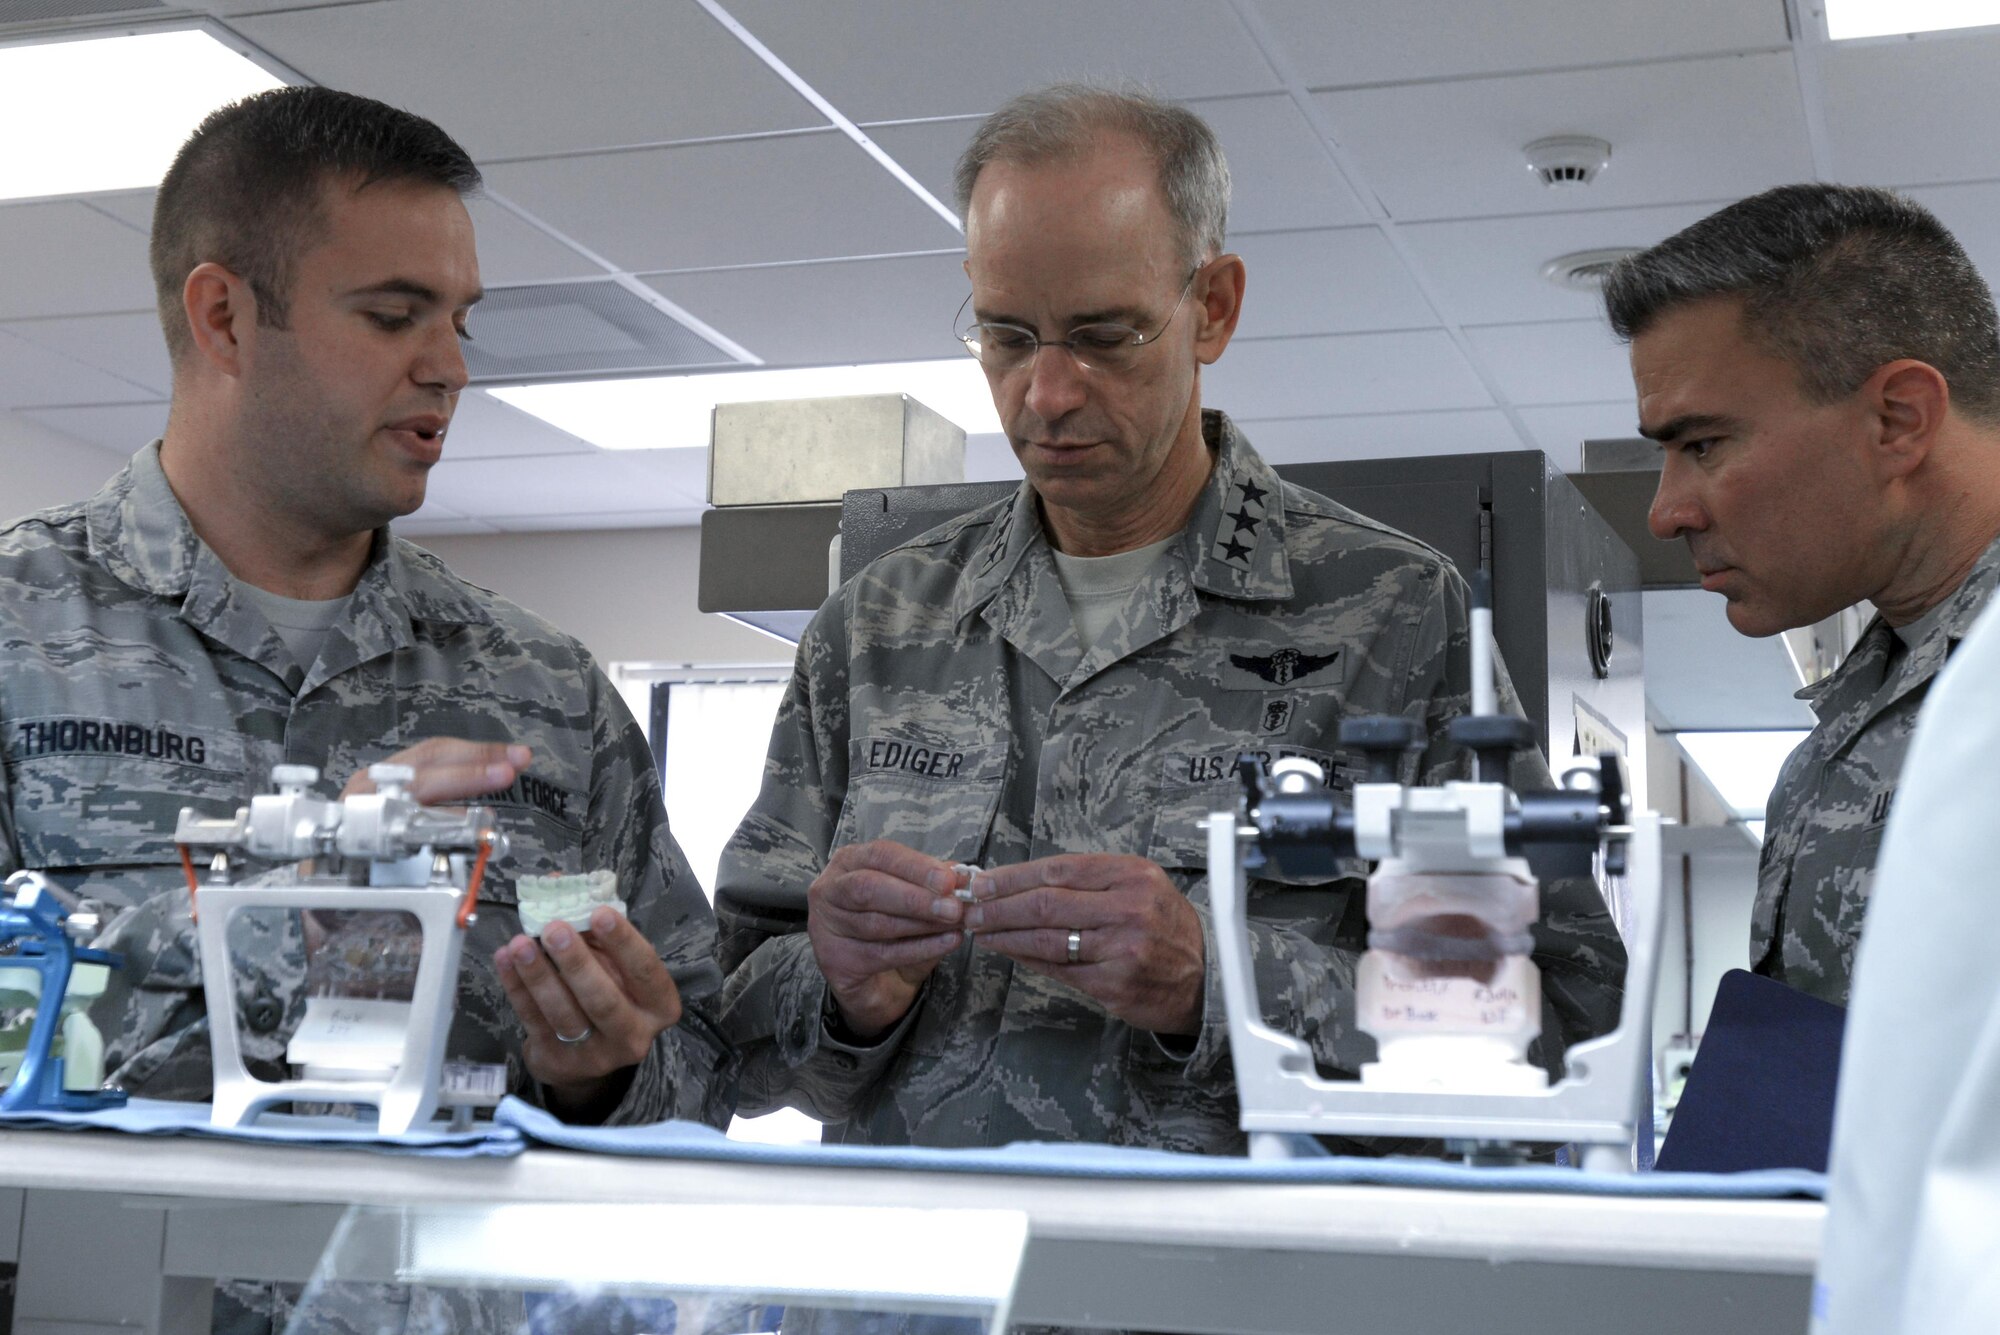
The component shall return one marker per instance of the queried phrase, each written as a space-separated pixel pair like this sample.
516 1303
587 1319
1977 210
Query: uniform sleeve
689 1073
775 1001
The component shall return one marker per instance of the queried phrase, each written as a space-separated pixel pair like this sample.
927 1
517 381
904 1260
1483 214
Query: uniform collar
139 532
1881 671
1234 542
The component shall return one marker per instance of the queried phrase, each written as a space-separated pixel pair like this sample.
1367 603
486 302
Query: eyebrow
405 287
1690 424
1125 315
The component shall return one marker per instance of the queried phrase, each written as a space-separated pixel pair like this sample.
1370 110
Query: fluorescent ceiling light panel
109 113
674 412
1847 19
1743 766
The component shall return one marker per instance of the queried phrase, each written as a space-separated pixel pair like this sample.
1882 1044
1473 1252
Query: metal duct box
802 450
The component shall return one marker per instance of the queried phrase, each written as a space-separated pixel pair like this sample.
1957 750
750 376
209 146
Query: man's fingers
518 996
551 995
452 769
646 980
877 892
1054 907
1072 871
898 861
886 955
1038 945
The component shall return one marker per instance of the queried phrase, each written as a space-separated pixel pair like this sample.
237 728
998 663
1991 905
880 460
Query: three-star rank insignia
1242 517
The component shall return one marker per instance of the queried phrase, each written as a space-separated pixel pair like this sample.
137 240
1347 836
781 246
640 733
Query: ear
1219 298
1908 401
220 312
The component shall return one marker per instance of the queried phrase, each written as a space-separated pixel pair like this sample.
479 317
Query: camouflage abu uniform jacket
939 699
1825 817
133 682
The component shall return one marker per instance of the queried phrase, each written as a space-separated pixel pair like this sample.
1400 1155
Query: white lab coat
1913 1210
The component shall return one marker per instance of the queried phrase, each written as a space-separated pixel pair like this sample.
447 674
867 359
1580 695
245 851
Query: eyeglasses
1104 346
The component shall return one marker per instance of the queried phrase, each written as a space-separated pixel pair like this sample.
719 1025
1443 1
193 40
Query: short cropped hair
245 190
1064 122
1836 279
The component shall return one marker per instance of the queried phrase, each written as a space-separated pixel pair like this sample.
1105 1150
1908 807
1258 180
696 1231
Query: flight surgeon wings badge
1285 666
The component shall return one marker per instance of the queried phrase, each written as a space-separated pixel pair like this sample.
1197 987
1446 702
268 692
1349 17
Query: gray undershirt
303 624
1097 586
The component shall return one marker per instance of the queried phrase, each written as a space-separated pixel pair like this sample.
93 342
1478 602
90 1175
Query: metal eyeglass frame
1138 339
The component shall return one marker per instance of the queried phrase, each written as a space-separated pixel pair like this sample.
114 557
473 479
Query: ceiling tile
1914 112
514 77
848 311
1575 361
1489 270
1342 373
485 428
904 59
1280 175
514 488
32 376
514 251
510 250
123 427
752 201
1302 440
1328 282
1560 431
1972 212
130 347
1677 132
66 259
1431 39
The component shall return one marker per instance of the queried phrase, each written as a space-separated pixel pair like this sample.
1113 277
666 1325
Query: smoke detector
1567 160
1585 270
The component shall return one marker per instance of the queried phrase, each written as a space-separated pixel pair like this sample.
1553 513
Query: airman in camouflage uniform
1821 366
138 681
941 700
1825 818
1055 690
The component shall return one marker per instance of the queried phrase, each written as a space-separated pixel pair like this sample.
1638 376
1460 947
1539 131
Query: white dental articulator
1446 988
359 861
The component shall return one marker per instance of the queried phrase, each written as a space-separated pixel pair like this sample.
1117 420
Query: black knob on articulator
1382 740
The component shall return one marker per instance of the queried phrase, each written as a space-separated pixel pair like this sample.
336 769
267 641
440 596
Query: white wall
40 467
628 594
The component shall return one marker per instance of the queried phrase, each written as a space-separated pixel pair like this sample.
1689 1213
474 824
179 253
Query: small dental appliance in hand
51 1055
382 984
1446 988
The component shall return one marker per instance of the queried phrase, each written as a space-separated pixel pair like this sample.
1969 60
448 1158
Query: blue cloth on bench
689 1140
158 1117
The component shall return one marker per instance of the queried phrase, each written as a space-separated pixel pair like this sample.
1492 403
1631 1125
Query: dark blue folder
1760 1093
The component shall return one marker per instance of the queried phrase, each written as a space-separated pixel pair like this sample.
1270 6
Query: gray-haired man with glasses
1053 690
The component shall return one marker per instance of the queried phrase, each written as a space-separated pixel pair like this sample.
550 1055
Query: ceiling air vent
41 11
1565 161
576 330
1585 270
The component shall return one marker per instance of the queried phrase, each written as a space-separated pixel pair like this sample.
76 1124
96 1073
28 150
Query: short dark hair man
1821 367
1055 687
234 600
